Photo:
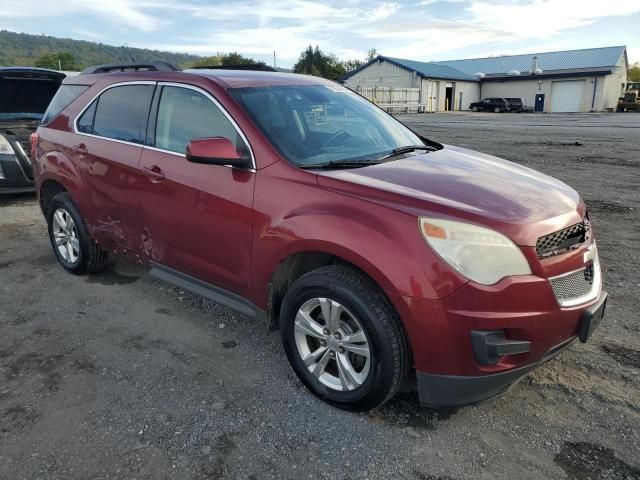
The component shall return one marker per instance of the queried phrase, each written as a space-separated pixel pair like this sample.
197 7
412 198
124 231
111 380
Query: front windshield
319 124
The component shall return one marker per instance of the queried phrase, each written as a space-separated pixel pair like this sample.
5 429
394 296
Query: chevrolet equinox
385 259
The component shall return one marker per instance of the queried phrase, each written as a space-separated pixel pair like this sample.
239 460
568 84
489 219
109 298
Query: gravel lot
120 376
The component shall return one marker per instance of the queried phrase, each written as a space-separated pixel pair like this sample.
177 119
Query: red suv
386 259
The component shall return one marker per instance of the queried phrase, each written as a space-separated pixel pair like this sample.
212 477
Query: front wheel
343 338
474 109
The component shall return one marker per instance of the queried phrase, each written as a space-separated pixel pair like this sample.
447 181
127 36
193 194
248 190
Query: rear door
111 133
197 218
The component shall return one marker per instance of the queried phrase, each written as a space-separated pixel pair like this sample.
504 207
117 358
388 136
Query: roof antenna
129 51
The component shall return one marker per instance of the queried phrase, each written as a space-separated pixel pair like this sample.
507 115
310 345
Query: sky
416 29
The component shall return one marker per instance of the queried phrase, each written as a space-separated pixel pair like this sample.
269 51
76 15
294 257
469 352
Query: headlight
5 146
480 254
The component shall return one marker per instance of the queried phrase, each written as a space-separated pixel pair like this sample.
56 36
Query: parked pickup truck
497 105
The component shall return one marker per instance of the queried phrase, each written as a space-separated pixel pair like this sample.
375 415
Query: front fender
385 243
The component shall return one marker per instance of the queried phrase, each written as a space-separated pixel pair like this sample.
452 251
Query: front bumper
14 176
524 310
440 391
448 391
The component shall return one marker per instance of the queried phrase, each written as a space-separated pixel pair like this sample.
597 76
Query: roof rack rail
155 66
261 67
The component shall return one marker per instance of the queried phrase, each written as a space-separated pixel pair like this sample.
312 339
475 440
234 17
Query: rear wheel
343 338
75 249
497 109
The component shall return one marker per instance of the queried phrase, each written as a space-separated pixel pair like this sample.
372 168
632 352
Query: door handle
81 148
154 173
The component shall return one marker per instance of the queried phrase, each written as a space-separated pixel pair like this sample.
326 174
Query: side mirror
214 151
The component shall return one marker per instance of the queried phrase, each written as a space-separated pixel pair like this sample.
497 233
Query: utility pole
59 65
274 59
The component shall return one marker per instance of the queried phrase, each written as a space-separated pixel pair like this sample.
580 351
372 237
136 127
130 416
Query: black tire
91 258
497 110
390 356
474 109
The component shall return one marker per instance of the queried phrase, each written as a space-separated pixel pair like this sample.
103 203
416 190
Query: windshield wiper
407 149
340 164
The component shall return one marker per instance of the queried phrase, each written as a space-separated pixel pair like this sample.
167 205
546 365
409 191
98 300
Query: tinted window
85 122
185 114
65 95
122 113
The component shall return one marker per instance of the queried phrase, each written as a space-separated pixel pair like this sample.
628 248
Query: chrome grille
562 240
580 286
574 285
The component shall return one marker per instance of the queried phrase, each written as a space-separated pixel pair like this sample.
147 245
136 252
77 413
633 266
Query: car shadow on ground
405 410
14 199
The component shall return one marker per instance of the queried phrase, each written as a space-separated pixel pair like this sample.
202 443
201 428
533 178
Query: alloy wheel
65 236
332 344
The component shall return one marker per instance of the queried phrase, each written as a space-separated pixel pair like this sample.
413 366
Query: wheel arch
57 173
49 189
295 264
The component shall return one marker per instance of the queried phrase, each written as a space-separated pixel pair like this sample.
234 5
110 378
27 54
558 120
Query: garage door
567 96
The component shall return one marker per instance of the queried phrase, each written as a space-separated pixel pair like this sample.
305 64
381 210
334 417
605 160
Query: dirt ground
118 376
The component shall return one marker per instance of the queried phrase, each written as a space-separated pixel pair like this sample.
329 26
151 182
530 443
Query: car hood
467 185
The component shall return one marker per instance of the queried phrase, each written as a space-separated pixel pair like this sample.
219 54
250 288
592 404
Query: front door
197 218
539 105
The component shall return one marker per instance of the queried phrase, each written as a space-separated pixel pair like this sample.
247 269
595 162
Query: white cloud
88 34
347 28
633 53
383 11
431 2
123 12
541 18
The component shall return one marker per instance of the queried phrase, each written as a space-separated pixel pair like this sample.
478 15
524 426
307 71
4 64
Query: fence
393 100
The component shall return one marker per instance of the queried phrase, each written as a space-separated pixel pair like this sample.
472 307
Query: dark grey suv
25 94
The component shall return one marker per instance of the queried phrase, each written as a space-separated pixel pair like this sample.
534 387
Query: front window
185 114
319 124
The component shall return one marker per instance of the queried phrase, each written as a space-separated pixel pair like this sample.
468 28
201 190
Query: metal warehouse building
568 81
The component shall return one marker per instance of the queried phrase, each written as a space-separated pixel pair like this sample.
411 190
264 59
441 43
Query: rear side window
184 114
85 122
64 96
122 113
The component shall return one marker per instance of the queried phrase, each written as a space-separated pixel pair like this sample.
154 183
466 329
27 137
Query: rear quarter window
85 122
63 98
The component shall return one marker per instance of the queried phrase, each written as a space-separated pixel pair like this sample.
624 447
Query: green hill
24 49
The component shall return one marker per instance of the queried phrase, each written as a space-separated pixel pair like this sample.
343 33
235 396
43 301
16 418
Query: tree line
313 61
22 49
